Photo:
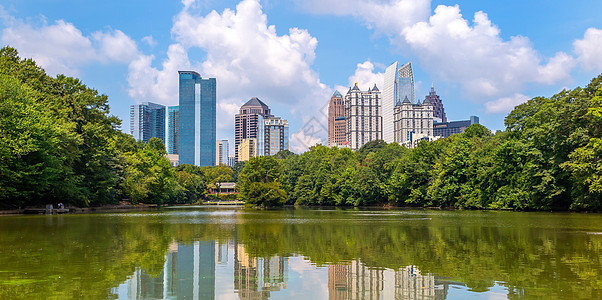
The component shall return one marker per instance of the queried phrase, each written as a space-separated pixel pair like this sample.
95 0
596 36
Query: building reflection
354 280
188 273
256 277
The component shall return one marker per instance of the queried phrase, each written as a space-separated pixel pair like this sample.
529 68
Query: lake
301 253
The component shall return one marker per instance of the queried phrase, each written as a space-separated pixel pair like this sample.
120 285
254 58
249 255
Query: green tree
259 182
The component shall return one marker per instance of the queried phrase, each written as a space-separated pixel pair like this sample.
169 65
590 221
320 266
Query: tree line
59 143
548 158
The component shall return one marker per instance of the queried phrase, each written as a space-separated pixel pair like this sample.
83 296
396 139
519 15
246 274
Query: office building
173 127
197 119
413 121
247 120
222 151
272 135
435 100
247 149
363 120
147 120
336 120
398 85
446 129
231 161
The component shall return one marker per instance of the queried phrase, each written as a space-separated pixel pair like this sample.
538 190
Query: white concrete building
413 122
363 120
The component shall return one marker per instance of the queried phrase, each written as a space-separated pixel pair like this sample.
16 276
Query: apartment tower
363 120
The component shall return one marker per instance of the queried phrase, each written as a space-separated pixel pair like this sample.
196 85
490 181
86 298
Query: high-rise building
413 121
363 120
173 127
222 151
435 100
247 149
336 120
272 135
197 119
247 120
398 84
147 120
446 129
231 161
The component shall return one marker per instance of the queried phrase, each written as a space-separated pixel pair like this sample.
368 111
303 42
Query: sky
483 57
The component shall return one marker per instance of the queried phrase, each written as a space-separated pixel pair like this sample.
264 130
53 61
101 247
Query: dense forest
59 143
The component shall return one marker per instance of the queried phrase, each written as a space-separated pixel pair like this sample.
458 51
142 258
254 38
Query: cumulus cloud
245 54
149 40
589 49
63 48
470 53
505 104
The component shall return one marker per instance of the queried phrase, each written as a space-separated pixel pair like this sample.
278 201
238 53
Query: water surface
232 253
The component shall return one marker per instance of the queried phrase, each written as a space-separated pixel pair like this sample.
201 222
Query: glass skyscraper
197 119
173 128
399 84
147 120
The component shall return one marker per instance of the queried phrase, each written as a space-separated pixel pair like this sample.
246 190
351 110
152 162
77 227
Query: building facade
336 120
173 128
398 84
147 120
196 140
247 149
222 151
247 121
435 100
446 129
363 120
231 161
413 121
272 135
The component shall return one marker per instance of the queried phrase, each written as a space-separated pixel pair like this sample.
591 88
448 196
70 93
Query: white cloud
246 56
505 104
470 53
161 86
149 40
63 48
59 48
589 49
366 77
117 46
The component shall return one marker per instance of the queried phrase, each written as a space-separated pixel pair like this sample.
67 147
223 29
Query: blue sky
482 56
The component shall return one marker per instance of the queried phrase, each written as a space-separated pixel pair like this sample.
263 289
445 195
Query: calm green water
226 253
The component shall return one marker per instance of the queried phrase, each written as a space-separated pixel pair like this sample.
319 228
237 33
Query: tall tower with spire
435 100
336 120
398 85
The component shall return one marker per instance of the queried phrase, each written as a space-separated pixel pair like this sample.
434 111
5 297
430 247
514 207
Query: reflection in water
205 253
256 277
188 273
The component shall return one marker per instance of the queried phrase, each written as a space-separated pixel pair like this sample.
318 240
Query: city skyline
482 60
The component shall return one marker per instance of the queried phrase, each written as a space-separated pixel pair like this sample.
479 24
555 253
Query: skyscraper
272 135
173 127
413 121
399 84
247 120
222 151
147 120
197 119
363 120
336 120
435 100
